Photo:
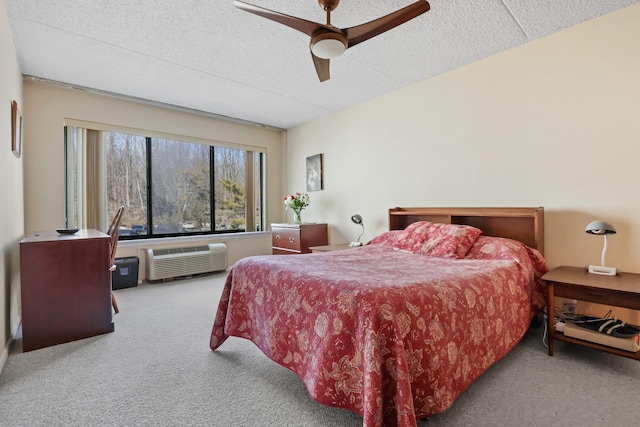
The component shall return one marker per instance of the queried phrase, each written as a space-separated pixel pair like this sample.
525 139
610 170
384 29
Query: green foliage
232 203
194 199
235 196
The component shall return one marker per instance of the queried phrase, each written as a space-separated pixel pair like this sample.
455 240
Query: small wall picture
16 129
314 173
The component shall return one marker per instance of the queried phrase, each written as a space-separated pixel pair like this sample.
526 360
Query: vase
297 216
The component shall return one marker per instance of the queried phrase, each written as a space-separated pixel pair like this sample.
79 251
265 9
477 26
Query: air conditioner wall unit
168 263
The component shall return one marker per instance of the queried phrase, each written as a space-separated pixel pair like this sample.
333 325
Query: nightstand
331 248
287 239
622 290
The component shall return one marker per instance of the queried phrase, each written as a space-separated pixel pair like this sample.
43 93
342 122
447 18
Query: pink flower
297 201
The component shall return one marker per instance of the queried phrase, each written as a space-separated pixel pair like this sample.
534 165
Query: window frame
254 179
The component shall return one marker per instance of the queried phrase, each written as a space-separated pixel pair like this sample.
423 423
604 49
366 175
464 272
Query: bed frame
523 224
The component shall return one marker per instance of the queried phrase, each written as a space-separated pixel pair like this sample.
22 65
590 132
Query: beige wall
48 106
554 123
11 210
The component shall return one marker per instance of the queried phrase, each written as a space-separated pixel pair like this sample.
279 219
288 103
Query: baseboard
4 356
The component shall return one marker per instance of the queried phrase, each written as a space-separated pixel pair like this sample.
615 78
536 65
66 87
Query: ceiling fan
327 41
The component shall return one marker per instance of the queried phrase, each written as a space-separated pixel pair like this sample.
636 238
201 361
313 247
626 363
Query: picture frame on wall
16 129
314 173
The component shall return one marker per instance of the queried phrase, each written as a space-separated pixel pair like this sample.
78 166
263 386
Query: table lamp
357 219
601 228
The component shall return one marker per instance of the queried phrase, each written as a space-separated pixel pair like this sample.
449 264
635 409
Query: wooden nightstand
331 248
622 290
287 239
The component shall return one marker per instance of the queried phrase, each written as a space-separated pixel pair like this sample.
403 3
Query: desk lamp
357 219
601 228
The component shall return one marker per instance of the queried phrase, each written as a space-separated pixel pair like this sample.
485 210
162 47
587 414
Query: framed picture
16 129
314 173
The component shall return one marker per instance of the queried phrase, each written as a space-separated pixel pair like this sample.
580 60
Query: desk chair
114 232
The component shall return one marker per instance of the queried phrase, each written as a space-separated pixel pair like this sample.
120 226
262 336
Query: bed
396 329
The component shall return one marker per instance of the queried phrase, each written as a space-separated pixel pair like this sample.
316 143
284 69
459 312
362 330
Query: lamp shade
357 219
600 228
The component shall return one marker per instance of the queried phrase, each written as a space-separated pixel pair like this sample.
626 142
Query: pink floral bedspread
393 336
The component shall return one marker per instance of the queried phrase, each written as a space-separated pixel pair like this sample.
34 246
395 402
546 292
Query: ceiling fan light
328 46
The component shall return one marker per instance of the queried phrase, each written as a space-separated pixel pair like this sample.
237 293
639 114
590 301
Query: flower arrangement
297 202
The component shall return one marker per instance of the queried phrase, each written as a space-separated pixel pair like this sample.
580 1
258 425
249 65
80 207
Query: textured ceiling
210 56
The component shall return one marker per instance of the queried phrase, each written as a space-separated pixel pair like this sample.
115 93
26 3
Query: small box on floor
126 273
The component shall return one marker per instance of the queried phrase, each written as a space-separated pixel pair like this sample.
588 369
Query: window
168 187
126 180
181 187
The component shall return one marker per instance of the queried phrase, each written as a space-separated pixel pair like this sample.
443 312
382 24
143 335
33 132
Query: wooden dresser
66 287
287 239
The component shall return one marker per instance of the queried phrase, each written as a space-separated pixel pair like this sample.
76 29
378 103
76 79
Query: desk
65 287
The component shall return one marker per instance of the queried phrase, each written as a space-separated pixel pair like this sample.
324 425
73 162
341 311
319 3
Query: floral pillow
487 247
500 248
388 238
397 239
433 239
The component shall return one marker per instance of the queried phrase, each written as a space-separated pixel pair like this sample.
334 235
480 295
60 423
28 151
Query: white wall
554 123
48 106
11 210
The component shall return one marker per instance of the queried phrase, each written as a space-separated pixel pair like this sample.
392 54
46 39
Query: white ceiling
212 57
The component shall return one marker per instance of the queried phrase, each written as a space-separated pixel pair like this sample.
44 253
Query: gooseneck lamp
601 228
357 219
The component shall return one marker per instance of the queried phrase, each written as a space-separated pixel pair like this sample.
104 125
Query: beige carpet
156 369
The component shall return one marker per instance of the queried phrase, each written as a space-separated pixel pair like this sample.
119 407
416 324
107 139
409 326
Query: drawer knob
277 237
292 239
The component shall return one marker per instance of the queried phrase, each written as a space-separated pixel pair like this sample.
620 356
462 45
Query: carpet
156 369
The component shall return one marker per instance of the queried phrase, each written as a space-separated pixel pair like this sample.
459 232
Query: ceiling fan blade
322 67
363 32
307 27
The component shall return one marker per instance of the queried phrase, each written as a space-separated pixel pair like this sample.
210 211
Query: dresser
65 287
287 239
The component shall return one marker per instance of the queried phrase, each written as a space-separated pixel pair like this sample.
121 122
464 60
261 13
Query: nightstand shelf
622 290
331 248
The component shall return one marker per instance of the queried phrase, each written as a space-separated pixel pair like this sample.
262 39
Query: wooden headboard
523 224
